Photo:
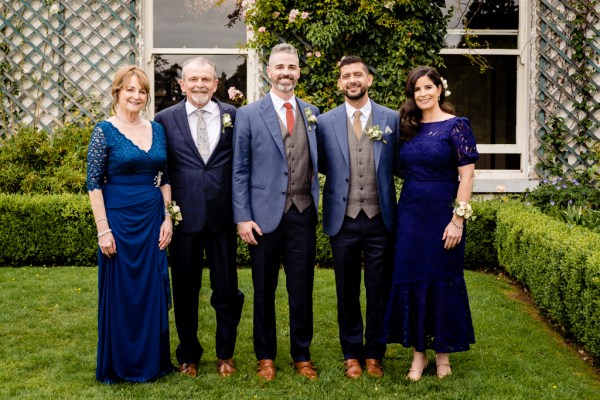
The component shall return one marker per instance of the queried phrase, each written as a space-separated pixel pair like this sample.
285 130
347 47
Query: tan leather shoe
266 369
226 367
373 367
188 369
306 369
353 369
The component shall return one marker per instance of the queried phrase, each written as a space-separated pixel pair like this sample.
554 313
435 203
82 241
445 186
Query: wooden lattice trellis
569 87
57 59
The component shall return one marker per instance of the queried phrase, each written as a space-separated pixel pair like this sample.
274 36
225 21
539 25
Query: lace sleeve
463 141
97 160
162 141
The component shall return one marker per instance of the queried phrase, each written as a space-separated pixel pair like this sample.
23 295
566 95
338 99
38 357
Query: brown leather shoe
353 369
188 369
266 369
226 367
306 369
373 367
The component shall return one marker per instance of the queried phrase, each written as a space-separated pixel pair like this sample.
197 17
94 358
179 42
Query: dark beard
357 96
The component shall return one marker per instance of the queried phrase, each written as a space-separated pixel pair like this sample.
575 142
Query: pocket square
388 129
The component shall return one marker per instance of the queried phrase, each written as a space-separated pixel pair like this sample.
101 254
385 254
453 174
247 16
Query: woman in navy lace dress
428 306
129 189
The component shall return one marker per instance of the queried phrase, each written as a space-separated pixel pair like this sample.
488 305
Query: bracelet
104 232
101 219
455 224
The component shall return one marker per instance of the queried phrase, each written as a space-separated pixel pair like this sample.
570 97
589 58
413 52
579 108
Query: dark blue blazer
334 161
260 168
203 191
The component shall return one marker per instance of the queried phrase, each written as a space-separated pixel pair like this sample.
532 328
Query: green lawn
48 349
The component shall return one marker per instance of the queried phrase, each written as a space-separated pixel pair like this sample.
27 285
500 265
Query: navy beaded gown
428 306
133 286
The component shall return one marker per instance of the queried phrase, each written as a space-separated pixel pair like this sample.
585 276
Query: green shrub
480 249
555 195
47 230
34 162
559 264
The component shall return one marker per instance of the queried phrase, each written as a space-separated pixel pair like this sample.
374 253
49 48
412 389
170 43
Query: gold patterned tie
357 125
202 136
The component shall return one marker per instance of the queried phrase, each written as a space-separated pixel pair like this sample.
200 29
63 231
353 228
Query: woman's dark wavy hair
410 114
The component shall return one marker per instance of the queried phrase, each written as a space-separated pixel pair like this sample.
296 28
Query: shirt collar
278 101
211 107
365 110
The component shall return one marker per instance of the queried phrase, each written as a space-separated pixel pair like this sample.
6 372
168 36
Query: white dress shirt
280 109
212 117
365 110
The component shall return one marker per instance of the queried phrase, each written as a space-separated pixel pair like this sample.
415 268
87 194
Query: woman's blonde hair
122 78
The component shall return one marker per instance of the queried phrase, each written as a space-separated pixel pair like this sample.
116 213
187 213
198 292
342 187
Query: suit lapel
340 128
272 121
312 138
380 120
181 119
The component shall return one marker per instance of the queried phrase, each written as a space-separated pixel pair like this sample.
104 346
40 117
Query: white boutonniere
310 118
174 211
226 121
158 179
375 133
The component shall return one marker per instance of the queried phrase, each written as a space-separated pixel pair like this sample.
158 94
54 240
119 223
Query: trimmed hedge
480 248
559 264
47 230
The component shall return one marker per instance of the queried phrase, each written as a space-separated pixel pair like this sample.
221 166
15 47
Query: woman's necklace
131 123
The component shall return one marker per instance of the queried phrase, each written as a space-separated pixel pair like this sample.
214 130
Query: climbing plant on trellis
57 59
569 89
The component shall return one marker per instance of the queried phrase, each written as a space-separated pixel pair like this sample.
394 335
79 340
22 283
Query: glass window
488 99
231 70
196 24
483 14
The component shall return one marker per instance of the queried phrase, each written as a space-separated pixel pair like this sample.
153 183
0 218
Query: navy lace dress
133 286
429 306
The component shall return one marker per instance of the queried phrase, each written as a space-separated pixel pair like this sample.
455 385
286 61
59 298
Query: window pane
483 14
456 41
499 161
488 99
167 71
196 24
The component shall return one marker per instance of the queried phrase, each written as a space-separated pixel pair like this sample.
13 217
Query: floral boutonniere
375 133
310 118
227 123
174 211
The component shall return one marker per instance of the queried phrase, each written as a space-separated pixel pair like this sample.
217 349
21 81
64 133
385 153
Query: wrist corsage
310 118
174 211
463 209
226 121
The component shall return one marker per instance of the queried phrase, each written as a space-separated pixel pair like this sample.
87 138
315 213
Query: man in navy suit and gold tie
275 200
356 153
199 134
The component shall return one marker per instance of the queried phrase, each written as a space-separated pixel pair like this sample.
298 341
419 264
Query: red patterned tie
289 117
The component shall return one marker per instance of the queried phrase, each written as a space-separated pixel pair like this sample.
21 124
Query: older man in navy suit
199 134
275 199
356 153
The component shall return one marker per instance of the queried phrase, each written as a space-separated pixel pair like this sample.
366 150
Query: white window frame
486 180
150 52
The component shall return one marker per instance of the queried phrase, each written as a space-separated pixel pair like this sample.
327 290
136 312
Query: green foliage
480 248
559 264
581 216
47 230
391 36
35 162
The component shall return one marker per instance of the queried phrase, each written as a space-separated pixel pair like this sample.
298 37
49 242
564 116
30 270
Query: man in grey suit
199 133
275 200
356 153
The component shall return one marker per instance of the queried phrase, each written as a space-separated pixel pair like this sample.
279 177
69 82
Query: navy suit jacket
203 191
260 168
334 161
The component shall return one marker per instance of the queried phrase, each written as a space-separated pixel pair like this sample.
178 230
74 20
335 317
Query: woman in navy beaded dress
428 306
129 189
